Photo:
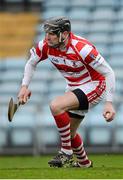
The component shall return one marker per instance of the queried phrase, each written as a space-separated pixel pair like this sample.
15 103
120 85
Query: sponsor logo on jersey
54 60
63 60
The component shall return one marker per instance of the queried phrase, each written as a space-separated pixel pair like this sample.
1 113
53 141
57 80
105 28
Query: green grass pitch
105 167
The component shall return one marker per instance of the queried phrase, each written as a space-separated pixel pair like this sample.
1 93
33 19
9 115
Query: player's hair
57 25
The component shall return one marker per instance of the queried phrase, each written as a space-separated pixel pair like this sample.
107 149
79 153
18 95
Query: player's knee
56 106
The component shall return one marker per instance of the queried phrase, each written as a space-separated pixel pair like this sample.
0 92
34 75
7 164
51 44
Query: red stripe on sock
76 141
63 120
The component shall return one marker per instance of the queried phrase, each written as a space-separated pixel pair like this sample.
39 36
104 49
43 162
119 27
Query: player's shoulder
76 39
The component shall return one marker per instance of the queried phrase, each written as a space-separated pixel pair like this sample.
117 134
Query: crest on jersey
93 56
74 64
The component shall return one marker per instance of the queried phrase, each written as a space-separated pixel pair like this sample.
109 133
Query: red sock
63 124
78 149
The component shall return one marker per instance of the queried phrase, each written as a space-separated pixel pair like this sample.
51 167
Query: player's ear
64 34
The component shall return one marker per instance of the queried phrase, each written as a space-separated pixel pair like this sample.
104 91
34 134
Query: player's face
52 39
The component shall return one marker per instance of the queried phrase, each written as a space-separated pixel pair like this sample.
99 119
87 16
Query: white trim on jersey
74 42
40 45
85 51
70 51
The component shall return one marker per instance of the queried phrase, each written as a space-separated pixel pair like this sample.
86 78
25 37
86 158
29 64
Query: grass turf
27 167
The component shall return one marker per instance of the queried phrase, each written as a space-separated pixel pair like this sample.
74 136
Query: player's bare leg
59 108
77 145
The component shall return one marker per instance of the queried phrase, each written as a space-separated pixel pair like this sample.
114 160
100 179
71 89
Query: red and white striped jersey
78 64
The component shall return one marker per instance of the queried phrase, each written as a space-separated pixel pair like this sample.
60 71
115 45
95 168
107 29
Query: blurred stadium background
33 130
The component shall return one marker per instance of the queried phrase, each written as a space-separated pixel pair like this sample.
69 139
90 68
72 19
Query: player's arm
30 67
37 55
93 58
97 62
106 70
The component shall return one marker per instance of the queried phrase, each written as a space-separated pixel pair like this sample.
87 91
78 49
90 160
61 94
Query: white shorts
94 91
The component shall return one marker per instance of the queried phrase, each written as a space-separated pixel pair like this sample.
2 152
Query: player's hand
109 111
24 95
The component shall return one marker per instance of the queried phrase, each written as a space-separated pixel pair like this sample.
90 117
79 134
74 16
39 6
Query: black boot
61 160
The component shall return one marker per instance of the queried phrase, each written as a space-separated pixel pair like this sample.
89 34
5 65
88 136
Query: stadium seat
15 63
100 136
118 72
121 4
54 86
119 87
38 38
52 12
3 137
50 143
41 74
79 27
116 49
116 61
9 76
37 87
56 75
118 27
29 108
119 16
56 89
107 4
9 88
45 117
22 129
5 97
117 38
101 14
76 14
53 95
3 126
46 128
83 4
21 137
37 99
53 3
45 65
119 121
99 38
100 27
103 49
119 136
24 120
96 119
82 132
